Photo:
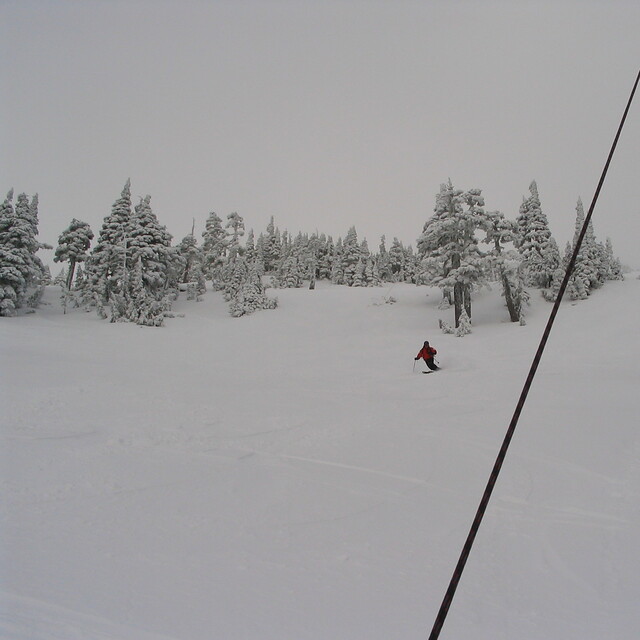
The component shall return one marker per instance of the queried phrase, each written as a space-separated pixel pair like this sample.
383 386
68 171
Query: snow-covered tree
236 276
245 292
384 268
61 278
585 275
191 257
577 287
552 260
271 247
551 294
250 252
107 265
448 245
21 271
12 261
540 256
464 325
337 268
350 256
310 258
411 265
141 306
235 226
364 250
614 267
324 259
507 264
149 243
214 248
73 244
358 276
371 273
395 260
291 272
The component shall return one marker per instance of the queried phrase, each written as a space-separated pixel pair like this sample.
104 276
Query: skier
426 353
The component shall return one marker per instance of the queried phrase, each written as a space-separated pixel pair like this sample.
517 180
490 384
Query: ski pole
414 366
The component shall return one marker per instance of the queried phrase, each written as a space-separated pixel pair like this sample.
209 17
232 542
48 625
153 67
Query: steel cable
457 573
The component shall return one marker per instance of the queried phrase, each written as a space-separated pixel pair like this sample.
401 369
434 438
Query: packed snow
288 475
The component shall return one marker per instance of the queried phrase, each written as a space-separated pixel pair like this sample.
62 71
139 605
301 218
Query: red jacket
427 353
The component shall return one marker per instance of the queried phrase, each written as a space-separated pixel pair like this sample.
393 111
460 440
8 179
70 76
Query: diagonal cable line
466 549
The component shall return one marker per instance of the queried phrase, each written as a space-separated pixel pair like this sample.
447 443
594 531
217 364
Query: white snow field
286 475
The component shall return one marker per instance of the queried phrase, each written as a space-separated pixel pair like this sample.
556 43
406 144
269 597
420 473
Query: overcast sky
324 114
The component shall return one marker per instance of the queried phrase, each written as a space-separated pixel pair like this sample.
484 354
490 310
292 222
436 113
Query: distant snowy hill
286 475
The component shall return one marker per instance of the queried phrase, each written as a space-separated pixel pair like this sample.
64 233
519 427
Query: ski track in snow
282 456
25 618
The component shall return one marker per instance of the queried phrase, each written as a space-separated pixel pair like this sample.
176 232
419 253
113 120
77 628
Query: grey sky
322 114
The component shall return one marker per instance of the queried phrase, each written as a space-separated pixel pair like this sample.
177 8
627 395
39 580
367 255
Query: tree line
134 271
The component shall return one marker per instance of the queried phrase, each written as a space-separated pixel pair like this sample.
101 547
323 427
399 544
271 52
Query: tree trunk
458 300
506 287
187 269
466 290
458 290
72 268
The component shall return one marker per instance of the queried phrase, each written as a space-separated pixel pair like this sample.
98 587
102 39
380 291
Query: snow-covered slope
287 476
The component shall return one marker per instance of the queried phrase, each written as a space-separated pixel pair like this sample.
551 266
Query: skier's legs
431 364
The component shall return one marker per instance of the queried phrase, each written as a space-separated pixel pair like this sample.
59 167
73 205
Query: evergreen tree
61 278
235 225
371 273
553 261
150 244
395 260
107 265
141 306
249 295
12 260
551 294
585 270
285 245
534 241
250 248
214 248
191 259
326 251
577 289
614 267
448 245
20 268
595 255
383 264
337 268
411 265
290 273
350 256
464 325
507 265
78 286
310 259
238 271
364 250
271 247
28 211
358 276
73 244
